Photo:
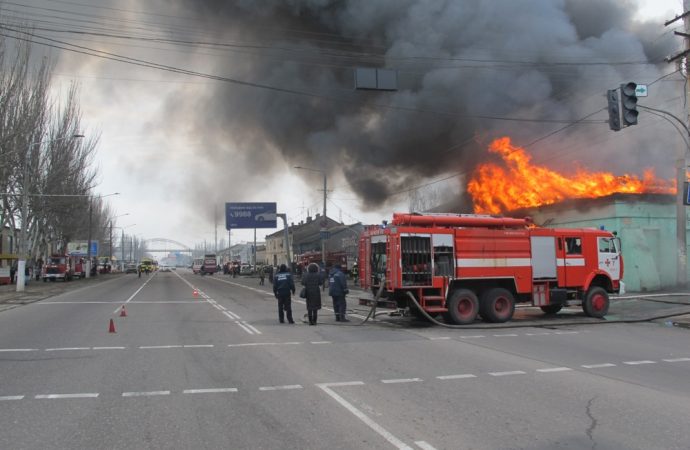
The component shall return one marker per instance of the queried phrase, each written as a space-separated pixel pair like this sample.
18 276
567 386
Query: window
573 246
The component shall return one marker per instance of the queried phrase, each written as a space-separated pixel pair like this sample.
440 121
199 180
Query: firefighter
337 289
283 289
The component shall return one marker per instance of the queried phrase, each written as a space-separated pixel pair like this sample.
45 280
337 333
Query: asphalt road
217 370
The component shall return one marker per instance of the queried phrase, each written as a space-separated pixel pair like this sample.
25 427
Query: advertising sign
250 215
80 248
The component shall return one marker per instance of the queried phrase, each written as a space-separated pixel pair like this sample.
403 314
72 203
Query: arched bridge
165 245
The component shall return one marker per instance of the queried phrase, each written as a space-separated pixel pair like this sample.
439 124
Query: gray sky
177 147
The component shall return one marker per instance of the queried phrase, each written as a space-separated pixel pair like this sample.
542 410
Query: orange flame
521 184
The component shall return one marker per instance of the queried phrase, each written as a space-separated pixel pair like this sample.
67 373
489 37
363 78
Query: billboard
250 215
81 248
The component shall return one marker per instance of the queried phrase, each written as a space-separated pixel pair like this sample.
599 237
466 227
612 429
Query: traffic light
614 110
629 103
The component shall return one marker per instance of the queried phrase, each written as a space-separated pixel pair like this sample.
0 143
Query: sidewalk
39 290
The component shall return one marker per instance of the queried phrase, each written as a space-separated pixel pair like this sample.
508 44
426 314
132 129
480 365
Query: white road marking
677 359
244 327
537 334
566 332
281 388
401 380
109 348
637 363
424 445
67 348
145 394
251 327
208 391
505 335
476 336
321 342
135 293
231 315
459 376
198 346
222 308
554 369
598 366
11 397
53 396
159 346
510 372
442 338
18 349
326 387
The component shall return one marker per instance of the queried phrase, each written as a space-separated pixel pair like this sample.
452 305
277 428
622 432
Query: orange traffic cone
112 327
123 311
195 293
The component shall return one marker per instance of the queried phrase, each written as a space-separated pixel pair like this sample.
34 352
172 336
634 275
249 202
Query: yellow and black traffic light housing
629 104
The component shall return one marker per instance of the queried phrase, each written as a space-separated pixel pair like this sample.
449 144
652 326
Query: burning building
641 209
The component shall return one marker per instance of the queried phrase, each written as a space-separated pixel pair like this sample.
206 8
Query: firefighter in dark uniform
337 289
283 289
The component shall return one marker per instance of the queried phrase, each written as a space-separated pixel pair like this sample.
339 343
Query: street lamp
324 223
23 247
122 241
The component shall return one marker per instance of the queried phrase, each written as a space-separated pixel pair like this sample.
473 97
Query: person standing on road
312 282
337 289
262 276
283 288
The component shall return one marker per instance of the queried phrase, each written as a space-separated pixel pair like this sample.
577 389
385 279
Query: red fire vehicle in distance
464 266
59 267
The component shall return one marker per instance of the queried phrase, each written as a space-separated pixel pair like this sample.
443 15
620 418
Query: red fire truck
465 265
59 267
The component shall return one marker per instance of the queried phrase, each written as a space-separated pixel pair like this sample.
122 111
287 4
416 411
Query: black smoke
464 68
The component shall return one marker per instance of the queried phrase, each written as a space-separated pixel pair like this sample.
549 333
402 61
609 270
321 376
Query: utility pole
681 162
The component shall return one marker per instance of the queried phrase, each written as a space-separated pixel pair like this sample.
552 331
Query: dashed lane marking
55 396
8 350
286 387
209 391
321 342
145 394
109 348
11 397
66 349
554 369
159 346
476 336
198 346
507 373
459 376
637 363
402 380
505 335
676 359
597 366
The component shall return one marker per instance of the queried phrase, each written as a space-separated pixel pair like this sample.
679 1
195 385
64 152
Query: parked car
130 268
165 268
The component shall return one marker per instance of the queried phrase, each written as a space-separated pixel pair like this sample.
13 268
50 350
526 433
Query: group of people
312 280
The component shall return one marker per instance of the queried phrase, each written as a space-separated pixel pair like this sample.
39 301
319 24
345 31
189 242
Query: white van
197 265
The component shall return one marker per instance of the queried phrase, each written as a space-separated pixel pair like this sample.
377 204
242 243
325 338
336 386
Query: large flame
521 184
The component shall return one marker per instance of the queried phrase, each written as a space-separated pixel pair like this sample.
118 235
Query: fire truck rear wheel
497 305
596 304
463 307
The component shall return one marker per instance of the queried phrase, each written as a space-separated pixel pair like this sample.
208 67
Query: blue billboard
250 215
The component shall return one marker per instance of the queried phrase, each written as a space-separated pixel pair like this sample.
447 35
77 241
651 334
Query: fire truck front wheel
596 303
497 305
463 307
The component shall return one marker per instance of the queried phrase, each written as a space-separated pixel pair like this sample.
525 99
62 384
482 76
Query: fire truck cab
465 266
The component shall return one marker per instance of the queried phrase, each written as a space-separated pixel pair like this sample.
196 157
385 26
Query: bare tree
42 162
